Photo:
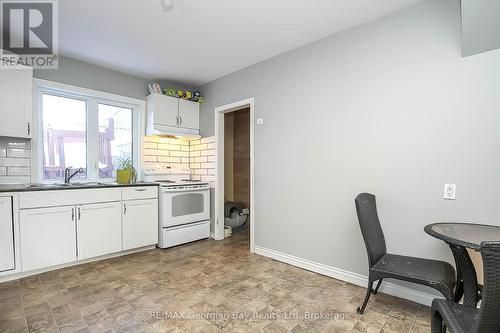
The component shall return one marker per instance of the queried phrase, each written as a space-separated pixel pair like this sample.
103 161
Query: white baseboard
416 296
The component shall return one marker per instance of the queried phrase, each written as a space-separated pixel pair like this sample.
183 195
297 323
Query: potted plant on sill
126 173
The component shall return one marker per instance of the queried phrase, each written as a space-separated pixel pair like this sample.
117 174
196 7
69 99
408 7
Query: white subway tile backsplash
12 161
198 155
18 171
200 159
169 146
156 152
19 152
169 159
150 158
150 145
15 160
19 143
208 139
207 178
199 147
179 153
208 165
209 152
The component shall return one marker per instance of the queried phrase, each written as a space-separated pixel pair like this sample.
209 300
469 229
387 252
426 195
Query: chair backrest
366 207
489 314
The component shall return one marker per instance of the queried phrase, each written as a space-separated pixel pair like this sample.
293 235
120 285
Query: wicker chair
460 318
382 265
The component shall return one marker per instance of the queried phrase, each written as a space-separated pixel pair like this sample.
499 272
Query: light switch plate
260 121
450 191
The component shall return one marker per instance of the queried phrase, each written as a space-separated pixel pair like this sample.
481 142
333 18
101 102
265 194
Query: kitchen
54 221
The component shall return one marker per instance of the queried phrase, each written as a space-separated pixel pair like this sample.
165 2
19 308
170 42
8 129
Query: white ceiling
202 40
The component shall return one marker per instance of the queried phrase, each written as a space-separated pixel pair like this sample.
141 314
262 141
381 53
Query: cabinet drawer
68 197
139 192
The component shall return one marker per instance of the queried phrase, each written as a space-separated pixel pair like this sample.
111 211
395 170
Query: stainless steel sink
85 184
55 185
43 185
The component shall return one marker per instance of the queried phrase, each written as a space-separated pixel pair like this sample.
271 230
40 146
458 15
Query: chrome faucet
68 175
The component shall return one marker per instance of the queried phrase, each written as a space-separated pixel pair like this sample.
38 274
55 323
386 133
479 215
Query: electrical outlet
450 191
260 121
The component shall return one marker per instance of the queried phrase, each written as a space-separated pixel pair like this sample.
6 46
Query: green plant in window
126 173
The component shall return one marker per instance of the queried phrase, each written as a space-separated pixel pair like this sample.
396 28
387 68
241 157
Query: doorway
234 133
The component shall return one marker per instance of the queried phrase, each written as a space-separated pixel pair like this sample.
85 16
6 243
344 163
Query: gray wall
391 108
82 74
480 26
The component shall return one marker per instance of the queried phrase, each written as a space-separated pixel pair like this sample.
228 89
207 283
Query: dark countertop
73 186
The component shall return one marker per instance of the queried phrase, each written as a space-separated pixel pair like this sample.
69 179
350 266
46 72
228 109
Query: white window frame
94 97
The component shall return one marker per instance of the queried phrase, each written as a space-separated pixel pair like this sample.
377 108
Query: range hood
172 131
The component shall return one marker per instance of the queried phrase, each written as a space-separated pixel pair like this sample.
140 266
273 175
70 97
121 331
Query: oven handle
186 190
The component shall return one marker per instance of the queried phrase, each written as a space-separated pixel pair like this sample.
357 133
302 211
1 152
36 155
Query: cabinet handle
72 214
79 214
177 120
140 190
124 208
29 128
181 120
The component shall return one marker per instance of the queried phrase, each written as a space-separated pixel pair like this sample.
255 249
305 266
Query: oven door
185 207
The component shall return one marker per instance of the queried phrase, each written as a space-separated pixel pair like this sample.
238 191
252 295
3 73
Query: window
85 129
64 135
115 138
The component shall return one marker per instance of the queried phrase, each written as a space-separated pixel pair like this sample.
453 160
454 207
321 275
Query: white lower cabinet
48 237
140 223
66 226
99 229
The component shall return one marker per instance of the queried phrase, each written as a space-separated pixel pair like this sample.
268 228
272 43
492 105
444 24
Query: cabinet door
48 237
99 229
189 114
6 235
165 110
140 223
16 102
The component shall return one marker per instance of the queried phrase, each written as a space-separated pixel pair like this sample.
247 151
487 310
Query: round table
460 237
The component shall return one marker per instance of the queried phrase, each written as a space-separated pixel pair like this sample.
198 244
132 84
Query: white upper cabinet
16 102
189 114
165 109
170 115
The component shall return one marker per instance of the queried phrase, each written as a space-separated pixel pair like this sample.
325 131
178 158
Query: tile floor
205 286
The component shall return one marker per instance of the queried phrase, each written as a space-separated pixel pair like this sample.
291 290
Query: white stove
184 205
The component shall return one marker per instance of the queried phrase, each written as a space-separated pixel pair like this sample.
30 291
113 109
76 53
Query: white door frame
219 167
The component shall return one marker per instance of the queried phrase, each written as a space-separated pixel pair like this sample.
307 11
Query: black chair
460 318
382 265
